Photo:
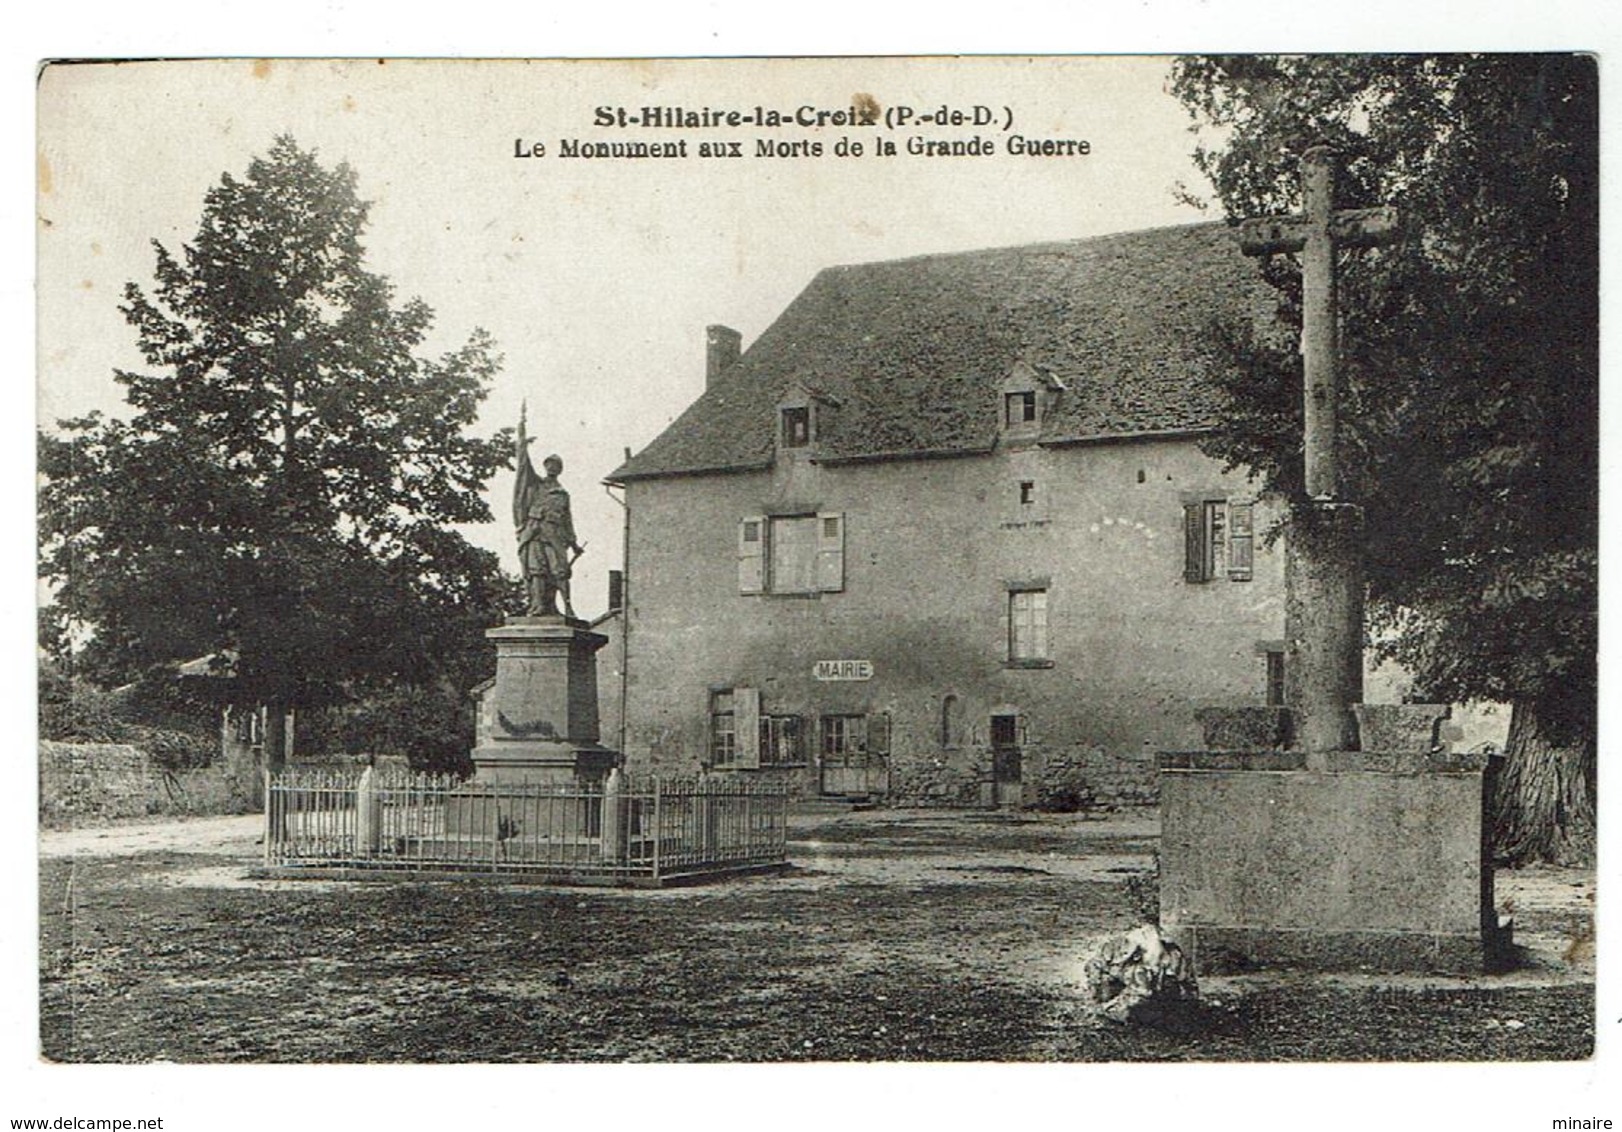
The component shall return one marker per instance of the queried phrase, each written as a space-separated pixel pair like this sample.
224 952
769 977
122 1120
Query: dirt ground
898 935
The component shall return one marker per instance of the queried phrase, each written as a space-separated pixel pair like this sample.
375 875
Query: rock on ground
1139 977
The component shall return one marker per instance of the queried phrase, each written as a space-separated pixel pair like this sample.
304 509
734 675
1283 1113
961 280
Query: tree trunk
275 737
1542 808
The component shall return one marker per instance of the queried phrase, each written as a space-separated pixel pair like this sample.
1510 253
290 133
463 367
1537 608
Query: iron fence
620 830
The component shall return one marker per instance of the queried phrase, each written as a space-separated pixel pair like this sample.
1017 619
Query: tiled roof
915 351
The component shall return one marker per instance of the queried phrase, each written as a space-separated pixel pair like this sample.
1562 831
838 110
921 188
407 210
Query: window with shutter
735 727
752 555
792 554
1206 540
792 550
723 729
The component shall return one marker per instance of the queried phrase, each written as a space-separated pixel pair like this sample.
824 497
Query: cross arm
1348 228
1270 235
1363 227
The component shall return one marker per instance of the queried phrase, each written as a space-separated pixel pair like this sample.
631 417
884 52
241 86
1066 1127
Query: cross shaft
1317 233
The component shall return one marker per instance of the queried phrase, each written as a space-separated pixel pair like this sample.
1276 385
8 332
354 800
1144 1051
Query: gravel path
899 935
233 836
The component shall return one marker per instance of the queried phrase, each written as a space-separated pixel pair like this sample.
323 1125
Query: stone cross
1317 232
1323 565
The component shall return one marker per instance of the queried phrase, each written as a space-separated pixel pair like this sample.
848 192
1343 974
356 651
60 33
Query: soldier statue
547 548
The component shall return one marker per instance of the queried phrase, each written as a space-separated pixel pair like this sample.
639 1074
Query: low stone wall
80 782
1065 778
1079 778
938 782
1069 778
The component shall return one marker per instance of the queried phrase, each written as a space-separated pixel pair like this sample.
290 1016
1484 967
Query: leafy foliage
76 711
1469 349
282 488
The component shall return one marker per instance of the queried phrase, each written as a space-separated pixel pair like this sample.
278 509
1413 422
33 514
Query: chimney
722 348
616 590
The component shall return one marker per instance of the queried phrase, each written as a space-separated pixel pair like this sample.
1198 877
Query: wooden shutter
830 577
1194 542
746 719
752 555
878 734
1241 542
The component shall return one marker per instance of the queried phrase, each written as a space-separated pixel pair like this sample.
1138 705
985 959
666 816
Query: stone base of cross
1314 857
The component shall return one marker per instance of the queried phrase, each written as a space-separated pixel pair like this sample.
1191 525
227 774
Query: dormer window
1019 408
1029 393
796 425
806 418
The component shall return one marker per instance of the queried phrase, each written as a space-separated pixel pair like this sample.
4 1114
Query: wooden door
852 754
1007 760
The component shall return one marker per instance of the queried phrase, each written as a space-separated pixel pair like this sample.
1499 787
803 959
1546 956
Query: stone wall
1065 779
939 782
1081 777
81 782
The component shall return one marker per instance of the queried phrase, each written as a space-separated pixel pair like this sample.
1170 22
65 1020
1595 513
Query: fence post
270 805
658 793
368 814
612 831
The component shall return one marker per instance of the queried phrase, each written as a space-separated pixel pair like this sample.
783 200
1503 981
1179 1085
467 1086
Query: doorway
852 762
1006 760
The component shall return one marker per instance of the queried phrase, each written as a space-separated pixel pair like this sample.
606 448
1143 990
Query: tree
280 494
1471 356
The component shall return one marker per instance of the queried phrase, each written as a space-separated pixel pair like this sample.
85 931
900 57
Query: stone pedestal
538 720
1331 860
537 727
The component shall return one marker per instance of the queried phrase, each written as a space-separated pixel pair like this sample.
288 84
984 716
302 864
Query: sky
596 278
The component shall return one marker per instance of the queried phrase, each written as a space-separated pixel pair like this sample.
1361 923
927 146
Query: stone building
943 533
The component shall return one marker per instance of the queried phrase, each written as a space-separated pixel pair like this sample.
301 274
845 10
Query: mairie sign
843 670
